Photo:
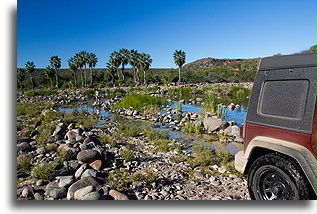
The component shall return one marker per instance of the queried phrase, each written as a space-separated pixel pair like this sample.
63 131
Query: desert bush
24 163
127 154
43 170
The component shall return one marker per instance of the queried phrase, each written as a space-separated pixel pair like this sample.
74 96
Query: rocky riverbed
73 161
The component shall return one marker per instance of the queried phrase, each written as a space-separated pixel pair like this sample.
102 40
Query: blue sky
202 28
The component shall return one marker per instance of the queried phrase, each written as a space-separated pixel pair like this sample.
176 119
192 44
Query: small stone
27 192
118 195
38 196
80 193
199 175
40 183
215 183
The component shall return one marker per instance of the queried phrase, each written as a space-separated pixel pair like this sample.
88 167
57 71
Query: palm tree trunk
122 72
144 77
51 81
75 81
81 77
85 76
91 79
32 86
179 75
56 77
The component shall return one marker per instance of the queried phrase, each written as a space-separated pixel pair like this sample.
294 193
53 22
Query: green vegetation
24 163
180 93
129 129
190 127
64 155
40 92
127 154
165 145
139 101
121 179
43 170
106 139
202 156
153 134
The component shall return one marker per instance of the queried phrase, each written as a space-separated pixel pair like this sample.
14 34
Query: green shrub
43 171
50 148
127 154
190 127
89 93
165 145
138 101
24 163
129 129
147 176
202 156
40 92
64 155
119 179
107 139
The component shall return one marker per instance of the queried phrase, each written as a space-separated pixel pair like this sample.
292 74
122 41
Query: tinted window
284 98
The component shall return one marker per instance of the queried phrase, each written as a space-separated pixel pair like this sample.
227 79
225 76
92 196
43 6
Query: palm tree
20 77
49 73
179 60
145 63
133 61
79 64
124 59
73 68
115 61
55 64
84 59
111 70
91 61
30 68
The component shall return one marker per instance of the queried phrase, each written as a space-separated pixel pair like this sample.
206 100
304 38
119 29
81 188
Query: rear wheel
275 177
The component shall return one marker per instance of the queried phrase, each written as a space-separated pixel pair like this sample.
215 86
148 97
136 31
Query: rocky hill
211 62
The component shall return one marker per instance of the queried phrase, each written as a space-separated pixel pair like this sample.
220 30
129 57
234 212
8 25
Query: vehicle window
285 99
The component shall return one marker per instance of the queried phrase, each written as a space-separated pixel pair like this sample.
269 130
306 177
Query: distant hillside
211 62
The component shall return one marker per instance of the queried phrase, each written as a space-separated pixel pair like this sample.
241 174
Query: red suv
280 130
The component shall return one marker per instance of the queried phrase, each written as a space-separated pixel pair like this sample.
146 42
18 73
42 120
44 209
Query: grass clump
153 134
121 179
63 154
165 145
43 171
127 154
138 101
40 92
24 163
105 139
89 93
147 176
202 156
190 127
129 129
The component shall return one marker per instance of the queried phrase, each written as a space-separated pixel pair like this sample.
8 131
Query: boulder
91 196
79 194
88 156
118 195
212 123
86 181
